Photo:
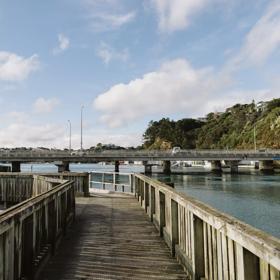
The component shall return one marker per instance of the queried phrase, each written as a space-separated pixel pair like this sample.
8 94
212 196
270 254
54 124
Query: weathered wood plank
112 239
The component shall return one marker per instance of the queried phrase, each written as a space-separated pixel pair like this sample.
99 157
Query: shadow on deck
112 238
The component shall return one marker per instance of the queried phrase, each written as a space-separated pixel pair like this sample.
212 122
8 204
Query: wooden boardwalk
112 238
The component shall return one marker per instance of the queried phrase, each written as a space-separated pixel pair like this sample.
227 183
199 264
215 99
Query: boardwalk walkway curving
112 238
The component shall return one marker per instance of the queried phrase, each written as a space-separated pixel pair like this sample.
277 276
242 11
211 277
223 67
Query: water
250 197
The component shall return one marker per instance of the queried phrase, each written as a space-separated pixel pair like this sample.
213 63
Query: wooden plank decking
112 238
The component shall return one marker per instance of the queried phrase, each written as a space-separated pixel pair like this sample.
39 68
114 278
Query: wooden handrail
31 230
210 244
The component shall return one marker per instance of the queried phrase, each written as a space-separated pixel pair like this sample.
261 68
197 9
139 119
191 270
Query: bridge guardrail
127 153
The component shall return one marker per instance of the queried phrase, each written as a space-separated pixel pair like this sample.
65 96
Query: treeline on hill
231 129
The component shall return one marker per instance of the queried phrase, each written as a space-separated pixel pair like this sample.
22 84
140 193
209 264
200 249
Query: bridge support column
233 164
266 165
216 166
167 167
117 166
63 167
147 167
15 166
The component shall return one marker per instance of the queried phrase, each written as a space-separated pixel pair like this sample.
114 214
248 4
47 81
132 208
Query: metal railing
113 181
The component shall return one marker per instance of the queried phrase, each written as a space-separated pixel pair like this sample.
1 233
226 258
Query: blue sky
129 62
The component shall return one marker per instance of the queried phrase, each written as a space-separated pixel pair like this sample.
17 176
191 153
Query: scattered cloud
31 135
262 40
17 116
176 14
107 53
63 44
106 15
175 88
16 68
43 105
56 135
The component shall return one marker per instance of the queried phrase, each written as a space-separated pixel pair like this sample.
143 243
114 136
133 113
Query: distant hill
231 129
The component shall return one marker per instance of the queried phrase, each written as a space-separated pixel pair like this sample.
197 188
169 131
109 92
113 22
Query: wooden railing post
114 181
152 203
161 212
198 248
146 196
174 226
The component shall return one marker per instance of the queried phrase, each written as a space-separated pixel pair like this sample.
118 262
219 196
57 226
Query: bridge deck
112 238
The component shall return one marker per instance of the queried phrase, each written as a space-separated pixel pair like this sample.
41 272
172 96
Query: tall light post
70 136
82 108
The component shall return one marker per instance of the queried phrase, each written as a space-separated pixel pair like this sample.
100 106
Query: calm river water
248 196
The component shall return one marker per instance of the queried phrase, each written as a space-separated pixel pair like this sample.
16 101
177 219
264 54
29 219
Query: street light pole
82 108
70 135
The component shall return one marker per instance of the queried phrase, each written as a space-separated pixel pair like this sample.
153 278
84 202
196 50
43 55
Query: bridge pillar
63 167
117 166
166 167
266 165
15 166
233 164
147 167
216 166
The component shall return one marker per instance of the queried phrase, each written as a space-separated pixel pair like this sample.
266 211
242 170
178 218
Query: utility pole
70 135
82 108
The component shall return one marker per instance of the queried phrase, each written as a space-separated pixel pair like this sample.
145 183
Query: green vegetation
232 129
166 133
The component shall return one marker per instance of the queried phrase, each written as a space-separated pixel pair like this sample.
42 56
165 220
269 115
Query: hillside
234 128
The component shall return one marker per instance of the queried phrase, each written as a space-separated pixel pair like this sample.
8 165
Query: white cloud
262 40
43 105
19 117
57 135
176 88
108 137
31 135
16 68
106 15
107 53
176 14
63 44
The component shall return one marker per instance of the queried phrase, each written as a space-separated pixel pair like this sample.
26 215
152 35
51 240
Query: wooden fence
16 187
31 230
211 245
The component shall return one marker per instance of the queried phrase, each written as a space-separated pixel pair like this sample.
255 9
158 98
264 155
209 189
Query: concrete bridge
131 227
63 158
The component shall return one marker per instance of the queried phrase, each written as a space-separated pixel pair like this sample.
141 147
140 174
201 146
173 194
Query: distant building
202 119
261 106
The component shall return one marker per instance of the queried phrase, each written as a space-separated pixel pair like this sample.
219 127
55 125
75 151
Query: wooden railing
16 187
210 244
81 181
31 230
